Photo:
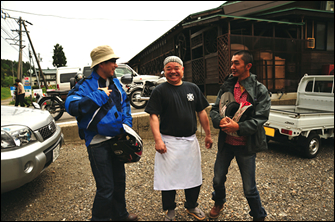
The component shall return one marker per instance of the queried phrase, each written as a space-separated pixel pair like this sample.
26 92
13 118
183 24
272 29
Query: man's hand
160 147
106 90
208 142
228 125
120 136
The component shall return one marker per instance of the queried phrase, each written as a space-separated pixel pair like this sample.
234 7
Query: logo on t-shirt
190 97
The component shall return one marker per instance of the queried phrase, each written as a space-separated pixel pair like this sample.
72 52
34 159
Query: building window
330 36
320 36
330 6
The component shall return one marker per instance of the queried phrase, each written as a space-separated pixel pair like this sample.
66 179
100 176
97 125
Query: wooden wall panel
212 73
188 71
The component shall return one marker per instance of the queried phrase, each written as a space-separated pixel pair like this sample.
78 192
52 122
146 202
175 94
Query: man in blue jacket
101 107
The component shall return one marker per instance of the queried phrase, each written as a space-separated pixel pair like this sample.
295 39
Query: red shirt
239 97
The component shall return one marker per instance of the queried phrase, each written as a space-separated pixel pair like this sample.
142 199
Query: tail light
285 131
58 86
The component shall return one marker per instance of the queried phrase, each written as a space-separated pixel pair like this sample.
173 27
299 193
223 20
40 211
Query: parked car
30 142
123 69
63 76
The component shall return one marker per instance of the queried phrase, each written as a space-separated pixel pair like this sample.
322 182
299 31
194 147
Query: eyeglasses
111 60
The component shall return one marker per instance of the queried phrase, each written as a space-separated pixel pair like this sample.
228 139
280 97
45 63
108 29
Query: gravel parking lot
291 188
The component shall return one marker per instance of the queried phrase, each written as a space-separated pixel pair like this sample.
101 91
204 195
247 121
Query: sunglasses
111 60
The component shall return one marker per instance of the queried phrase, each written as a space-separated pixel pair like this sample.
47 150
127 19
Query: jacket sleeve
214 113
126 111
79 103
262 103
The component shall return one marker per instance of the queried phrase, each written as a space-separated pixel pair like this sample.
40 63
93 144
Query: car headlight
16 136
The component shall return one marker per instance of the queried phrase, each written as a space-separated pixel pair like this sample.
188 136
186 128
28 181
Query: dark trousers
247 166
110 177
20 99
191 195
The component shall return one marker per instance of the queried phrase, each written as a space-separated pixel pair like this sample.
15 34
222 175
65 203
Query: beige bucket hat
101 54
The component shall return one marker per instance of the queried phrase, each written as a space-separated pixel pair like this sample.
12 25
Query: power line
13 22
133 20
5 31
10 44
6 21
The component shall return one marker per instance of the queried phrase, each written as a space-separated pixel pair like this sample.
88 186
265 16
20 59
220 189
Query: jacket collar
248 83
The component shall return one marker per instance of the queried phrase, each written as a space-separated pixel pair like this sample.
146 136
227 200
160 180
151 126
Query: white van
120 71
63 75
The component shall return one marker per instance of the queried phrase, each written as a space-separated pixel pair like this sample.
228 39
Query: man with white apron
178 159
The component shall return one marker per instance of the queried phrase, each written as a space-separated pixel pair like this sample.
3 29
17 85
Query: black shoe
131 217
259 219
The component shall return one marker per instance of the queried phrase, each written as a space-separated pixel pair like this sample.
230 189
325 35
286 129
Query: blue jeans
247 166
110 177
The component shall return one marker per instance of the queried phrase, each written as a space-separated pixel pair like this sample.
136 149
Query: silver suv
30 142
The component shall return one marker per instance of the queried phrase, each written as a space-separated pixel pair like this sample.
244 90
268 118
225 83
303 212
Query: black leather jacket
251 128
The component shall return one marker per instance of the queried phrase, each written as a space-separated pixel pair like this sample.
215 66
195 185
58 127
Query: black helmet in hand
78 77
129 148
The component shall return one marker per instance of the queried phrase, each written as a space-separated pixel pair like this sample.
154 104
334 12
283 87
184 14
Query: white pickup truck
309 120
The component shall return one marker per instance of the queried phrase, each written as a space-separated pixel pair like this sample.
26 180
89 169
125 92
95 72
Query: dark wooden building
286 38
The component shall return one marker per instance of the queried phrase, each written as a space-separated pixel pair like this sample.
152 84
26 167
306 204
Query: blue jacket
96 113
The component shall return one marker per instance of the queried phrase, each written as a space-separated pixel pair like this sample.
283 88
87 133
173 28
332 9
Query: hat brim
103 59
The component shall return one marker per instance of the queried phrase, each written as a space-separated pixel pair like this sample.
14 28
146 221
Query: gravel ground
291 187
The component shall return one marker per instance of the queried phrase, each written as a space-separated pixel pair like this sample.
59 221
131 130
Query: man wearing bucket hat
178 160
101 108
242 134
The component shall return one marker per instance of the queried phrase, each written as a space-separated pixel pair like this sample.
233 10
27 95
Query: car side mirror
127 79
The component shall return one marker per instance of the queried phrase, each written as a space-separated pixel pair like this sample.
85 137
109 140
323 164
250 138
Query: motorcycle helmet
238 112
129 148
228 106
78 77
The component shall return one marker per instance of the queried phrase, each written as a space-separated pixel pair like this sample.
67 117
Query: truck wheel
311 145
268 139
137 104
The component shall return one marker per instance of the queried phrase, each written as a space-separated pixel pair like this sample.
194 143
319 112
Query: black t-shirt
177 107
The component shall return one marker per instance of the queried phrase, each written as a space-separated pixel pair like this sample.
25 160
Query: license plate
55 153
269 131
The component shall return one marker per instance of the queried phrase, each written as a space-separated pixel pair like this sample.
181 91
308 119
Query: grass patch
27 99
5 93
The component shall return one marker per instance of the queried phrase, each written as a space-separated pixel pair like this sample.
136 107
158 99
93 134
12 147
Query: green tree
59 59
7 68
7 81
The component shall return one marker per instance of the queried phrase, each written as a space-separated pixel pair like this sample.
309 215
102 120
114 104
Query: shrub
5 93
7 81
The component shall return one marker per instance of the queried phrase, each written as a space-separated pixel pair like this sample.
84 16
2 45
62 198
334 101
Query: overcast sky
80 26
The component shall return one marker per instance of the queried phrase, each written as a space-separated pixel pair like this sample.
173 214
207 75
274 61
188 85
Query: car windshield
119 72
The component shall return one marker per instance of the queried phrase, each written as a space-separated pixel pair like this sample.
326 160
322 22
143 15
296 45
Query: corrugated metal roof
209 10
245 18
302 9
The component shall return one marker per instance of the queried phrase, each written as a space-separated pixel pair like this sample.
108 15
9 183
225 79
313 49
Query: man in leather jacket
101 107
250 137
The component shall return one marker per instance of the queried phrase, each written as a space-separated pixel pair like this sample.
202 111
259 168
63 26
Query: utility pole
19 21
19 66
31 61
13 72
38 62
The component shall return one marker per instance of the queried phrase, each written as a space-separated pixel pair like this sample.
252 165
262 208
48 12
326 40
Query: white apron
180 167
